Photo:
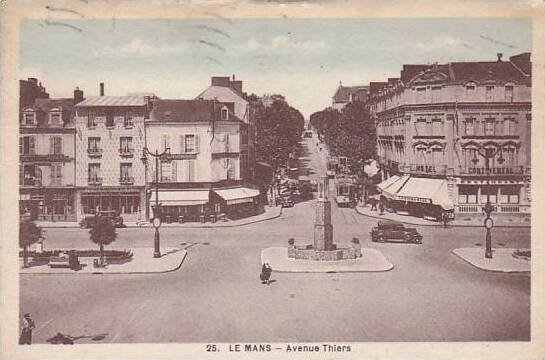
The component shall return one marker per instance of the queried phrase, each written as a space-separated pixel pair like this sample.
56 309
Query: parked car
395 231
89 221
285 201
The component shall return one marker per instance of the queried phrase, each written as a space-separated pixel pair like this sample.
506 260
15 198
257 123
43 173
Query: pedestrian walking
445 219
26 331
265 275
381 208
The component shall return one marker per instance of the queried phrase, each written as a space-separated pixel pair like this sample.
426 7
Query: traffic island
371 260
142 262
508 260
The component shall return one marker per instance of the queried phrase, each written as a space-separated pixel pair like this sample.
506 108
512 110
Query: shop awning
237 195
181 197
391 186
425 190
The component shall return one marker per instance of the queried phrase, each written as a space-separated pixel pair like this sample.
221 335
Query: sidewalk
271 212
142 262
502 259
372 260
500 220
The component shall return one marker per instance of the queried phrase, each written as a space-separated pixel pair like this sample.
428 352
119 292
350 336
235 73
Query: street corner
372 260
142 262
507 260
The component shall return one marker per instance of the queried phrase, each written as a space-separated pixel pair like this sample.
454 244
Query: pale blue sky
301 59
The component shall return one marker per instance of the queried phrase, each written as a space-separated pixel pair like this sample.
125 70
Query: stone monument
323 248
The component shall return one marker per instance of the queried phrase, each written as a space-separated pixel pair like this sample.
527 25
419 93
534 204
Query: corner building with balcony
438 126
110 136
47 157
200 176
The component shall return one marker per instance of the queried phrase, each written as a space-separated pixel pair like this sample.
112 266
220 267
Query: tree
102 233
29 233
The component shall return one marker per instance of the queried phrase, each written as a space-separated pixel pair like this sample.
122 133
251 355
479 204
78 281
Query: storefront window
489 193
467 194
509 194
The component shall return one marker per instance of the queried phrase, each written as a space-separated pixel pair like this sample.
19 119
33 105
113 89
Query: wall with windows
106 138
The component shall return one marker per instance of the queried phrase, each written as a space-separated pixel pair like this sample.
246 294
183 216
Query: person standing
265 275
26 332
445 219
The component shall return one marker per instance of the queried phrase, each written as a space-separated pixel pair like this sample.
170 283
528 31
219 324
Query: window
93 144
55 117
421 127
509 194
225 113
190 143
489 92
489 192
125 173
31 175
231 169
510 126
94 174
510 155
227 144
55 145
27 145
509 93
467 194
470 89
168 171
165 142
437 156
437 127
489 126
125 145
470 126
91 120
190 173
435 93
127 121
29 117
56 173
109 119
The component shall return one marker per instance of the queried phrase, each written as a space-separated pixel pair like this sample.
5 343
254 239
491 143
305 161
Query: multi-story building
30 90
203 172
47 155
455 136
110 137
348 94
229 92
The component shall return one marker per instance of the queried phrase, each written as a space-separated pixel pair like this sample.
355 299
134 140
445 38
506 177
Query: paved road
430 295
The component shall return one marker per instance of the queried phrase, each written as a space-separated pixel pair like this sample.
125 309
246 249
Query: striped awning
392 185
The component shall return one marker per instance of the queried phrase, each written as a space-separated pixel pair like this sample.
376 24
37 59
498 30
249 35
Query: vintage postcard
269 180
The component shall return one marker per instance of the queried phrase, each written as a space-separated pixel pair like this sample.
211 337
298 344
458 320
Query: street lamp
487 154
156 211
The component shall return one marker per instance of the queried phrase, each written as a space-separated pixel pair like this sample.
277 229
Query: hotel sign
495 170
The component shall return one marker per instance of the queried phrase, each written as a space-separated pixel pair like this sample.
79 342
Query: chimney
500 55
101 89
221 81
78 95
237 85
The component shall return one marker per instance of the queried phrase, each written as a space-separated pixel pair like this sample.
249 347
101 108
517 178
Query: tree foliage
102 233
29 233
349 133
279 129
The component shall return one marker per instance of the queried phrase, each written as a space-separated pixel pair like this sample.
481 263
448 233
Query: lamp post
156 211
487 154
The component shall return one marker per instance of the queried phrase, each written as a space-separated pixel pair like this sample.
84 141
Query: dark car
395 231
89 221
285 201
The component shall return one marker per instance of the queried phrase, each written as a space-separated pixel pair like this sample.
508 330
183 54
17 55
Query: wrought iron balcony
95 181
126 180
94 152
127 152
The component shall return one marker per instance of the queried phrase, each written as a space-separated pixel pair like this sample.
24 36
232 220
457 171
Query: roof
176 110
130 100
343 92
45 105
501 71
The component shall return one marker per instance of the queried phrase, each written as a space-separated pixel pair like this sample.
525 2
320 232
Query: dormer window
224 113
55 117
509 92
29 117
470 88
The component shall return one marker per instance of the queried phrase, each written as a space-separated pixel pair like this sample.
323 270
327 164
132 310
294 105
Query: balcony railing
126 180
126 152
494 171
32 182
95 181
94 152
498 209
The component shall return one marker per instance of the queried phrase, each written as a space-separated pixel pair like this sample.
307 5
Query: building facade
110 137
205 140
454 136
47 157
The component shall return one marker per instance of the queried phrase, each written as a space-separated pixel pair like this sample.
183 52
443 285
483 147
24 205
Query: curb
115 273
174 226
492 271
438 225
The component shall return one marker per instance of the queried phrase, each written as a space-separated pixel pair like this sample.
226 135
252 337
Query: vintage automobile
89 221
395 231
285 201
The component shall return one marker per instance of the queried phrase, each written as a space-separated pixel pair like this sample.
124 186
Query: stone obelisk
323 229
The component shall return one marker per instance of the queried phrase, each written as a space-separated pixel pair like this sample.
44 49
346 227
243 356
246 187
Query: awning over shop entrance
391 186
425 190
237 195
180 197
